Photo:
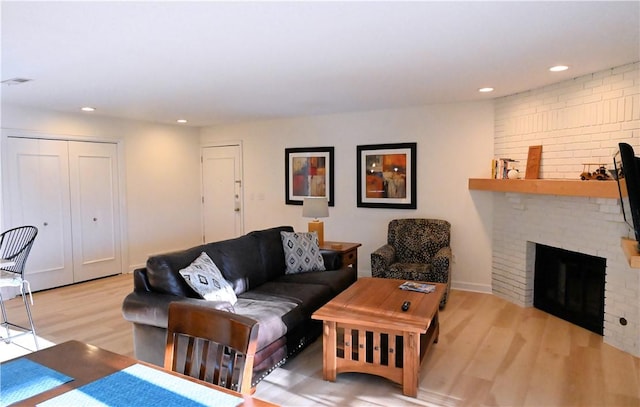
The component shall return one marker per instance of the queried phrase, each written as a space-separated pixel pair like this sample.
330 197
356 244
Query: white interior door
222 193
95 211
37 174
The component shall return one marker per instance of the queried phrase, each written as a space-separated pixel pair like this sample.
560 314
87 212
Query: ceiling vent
15 81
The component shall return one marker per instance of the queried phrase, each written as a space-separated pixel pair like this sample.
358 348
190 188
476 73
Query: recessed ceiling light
181 120
558 68
88 109
485 90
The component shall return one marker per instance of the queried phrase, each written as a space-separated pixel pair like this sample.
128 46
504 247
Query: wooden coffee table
365 330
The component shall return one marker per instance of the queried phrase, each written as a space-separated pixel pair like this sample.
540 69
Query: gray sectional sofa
254 264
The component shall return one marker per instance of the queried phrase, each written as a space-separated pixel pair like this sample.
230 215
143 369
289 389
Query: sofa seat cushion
309 297
269 314
336 280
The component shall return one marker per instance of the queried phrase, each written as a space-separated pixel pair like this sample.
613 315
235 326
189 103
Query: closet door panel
37 174
94 207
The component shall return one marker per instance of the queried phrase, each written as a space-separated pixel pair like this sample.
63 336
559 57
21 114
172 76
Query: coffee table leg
410 364
329 353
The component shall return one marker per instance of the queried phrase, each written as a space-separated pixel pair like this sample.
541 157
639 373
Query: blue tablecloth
23 378
140 385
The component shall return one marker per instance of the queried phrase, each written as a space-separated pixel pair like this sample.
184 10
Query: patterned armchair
416 249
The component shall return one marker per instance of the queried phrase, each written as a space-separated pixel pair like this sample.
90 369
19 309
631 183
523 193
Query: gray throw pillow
206 279
301 252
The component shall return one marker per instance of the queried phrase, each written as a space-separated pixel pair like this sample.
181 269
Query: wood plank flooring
490 353
89 312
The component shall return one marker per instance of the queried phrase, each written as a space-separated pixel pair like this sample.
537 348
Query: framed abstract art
308 173
386 176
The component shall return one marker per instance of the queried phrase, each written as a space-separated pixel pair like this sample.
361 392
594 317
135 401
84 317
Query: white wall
454 143
162 175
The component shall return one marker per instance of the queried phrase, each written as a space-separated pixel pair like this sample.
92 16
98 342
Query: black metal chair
15 245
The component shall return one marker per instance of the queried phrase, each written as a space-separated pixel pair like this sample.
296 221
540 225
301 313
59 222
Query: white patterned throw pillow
206 279
301 252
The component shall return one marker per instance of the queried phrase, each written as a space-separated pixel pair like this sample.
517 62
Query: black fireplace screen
570 285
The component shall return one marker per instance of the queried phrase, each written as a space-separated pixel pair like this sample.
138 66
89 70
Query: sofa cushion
269 314
271 250
291 319
163 276
302 252
309 297
239 261
336 280
205 278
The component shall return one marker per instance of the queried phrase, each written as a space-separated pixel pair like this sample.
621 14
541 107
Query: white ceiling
220 62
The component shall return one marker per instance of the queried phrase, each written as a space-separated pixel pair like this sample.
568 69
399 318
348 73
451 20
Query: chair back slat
211 345
203 360
15 245
218 363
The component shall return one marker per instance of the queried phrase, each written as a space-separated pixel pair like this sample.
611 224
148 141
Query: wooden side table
348 251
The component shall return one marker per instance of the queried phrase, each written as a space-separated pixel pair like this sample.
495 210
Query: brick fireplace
591 226
576 121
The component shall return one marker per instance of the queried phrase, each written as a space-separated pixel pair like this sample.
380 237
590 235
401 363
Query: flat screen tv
627 172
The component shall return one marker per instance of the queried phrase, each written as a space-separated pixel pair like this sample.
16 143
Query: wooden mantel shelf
631 252
565 187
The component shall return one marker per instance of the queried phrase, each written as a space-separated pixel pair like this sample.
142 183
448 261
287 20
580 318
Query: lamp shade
315 207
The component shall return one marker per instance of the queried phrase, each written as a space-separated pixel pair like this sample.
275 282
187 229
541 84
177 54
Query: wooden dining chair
211 345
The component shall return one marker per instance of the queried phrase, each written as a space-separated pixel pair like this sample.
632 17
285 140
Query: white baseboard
479 288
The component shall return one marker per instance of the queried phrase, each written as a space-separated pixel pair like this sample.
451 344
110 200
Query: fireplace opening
570 285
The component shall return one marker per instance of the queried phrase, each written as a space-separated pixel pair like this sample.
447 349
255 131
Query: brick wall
576 121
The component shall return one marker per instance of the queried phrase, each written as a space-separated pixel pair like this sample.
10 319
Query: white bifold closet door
69 191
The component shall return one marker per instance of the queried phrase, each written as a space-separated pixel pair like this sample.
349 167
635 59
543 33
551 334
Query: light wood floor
490 353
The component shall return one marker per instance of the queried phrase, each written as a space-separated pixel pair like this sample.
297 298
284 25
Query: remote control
405 305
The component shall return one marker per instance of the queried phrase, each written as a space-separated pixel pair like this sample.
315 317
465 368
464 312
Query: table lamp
316 207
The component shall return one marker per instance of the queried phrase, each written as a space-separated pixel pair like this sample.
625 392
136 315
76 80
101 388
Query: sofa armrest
441 261
381 259
332 259
150 308
140 280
